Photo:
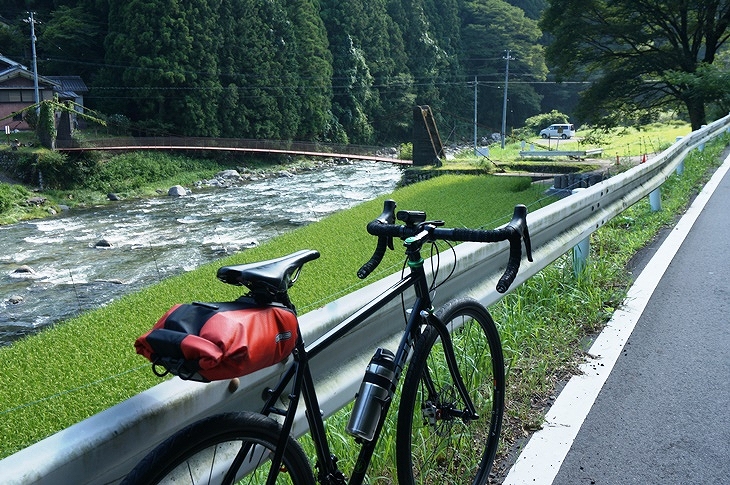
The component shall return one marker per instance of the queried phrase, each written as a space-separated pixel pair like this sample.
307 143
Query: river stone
112 197
36 201
112 281
177 191
24 270
229 174
15 299
103 243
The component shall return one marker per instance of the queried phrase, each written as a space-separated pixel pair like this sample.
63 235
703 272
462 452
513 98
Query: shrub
538 122
118 124
52 169
12 195
405 151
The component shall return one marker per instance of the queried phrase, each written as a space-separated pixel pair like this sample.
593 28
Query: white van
558 130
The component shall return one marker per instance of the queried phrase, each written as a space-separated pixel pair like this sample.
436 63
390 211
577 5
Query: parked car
558 130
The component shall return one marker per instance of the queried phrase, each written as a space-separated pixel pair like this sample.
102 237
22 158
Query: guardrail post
701 146
580 256
680 168
655 199
580 250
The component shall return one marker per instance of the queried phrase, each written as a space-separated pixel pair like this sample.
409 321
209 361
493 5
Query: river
158 237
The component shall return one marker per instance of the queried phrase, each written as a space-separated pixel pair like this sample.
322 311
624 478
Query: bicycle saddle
272 276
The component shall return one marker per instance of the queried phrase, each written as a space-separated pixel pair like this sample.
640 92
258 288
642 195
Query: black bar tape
474 235
375 260
513 265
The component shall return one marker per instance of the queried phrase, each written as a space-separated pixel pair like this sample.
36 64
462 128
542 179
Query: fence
103 448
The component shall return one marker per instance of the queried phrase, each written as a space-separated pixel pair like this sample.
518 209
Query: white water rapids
159 237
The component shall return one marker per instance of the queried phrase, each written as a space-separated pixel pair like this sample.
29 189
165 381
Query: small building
70 88
17 92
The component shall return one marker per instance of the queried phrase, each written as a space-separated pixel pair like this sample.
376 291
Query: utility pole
35 62
475 116
504 104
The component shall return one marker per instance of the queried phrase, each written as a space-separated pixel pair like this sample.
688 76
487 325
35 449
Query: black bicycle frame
303 383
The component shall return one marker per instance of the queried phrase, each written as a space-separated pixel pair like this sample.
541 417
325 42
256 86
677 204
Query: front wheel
438 439
204 452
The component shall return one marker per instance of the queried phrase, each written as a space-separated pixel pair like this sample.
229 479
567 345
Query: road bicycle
452 398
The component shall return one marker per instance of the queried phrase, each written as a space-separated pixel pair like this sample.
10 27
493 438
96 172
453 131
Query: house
17 92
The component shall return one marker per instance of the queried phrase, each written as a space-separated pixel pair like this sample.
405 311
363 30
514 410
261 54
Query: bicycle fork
433 410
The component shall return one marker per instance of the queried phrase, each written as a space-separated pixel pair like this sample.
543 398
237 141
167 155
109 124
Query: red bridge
283 147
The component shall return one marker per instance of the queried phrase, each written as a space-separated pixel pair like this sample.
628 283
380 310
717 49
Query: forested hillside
331 70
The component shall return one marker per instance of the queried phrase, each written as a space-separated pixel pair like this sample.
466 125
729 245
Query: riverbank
90 178
139 175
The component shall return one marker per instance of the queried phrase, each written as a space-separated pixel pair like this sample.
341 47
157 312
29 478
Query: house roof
19 71
7 63
70 83
67 87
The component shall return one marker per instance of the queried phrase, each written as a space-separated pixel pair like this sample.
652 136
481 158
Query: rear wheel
203 453
438 441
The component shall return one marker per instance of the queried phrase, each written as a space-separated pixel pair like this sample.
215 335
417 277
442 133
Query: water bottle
376 390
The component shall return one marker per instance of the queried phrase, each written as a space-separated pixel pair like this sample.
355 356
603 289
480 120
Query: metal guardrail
561 153
103 448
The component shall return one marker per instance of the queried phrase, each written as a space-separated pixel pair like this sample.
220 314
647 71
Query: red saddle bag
213 341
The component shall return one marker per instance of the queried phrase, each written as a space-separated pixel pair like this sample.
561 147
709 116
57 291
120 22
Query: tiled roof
70 83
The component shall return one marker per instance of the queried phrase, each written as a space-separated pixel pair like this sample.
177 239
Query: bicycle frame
299 375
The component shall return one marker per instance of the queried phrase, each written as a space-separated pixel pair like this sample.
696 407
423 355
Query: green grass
543 324
623 142
546 321
82 366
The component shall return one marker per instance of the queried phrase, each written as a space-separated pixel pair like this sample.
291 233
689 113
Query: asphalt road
654 405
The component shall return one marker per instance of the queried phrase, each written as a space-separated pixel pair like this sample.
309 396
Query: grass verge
546 323
65 374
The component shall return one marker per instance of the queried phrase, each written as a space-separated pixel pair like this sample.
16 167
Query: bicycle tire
434 444
193 454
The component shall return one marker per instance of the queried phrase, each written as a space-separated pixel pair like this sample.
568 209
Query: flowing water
159 237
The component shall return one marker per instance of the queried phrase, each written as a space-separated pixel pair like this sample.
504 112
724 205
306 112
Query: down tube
406 344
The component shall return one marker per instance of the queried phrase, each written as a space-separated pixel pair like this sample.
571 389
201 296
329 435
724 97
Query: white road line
540 461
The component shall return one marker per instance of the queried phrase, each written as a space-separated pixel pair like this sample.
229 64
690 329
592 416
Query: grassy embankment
624 144
541 328
87 364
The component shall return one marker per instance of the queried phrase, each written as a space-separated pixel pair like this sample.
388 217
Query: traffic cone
643 159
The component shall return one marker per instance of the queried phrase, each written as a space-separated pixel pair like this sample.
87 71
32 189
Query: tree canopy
640 55
331 70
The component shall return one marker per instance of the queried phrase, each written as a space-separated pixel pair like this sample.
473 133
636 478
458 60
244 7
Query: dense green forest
330 70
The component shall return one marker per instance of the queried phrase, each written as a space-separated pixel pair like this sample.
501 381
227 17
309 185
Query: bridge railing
193 143
103 448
